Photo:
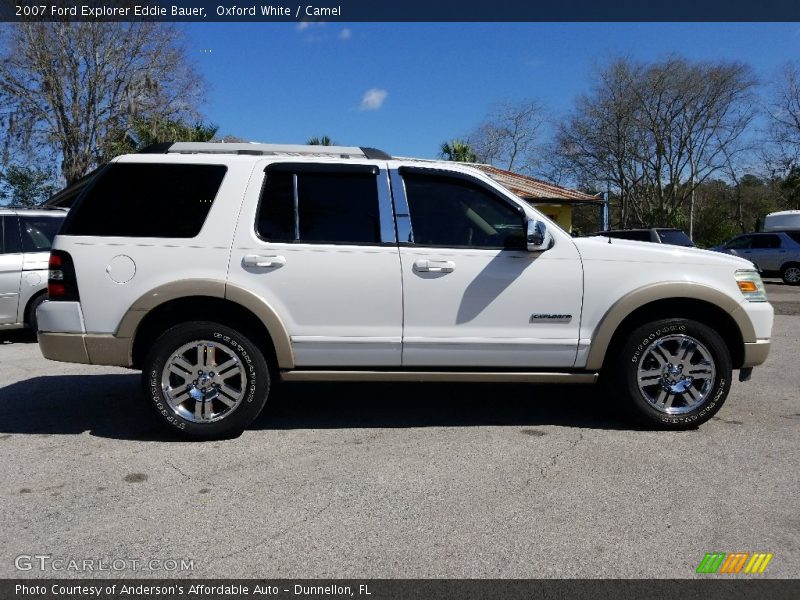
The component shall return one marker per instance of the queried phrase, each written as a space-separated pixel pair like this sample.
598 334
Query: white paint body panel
157 261
480 314
614 270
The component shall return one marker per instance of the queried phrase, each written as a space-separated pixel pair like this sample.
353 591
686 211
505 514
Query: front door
472 295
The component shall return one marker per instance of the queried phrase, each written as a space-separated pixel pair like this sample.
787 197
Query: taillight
61 281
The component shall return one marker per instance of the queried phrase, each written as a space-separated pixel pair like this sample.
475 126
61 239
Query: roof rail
265 150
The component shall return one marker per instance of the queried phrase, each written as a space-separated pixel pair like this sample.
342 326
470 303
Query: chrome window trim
405 234
385 209
296 199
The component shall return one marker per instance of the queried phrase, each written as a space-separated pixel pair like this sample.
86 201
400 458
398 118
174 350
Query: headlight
751 286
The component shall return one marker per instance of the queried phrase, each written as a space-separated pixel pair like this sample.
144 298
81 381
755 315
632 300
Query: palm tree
320 141
458 151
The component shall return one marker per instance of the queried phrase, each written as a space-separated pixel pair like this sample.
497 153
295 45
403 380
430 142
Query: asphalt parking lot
409 480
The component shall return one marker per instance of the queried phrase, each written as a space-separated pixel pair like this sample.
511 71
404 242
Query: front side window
38 232
320 204
147 200
739 243
454 212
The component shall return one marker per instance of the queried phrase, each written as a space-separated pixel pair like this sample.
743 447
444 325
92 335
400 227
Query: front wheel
673 373
205 380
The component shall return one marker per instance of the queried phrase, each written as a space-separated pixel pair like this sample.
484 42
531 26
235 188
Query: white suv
217 269
25 239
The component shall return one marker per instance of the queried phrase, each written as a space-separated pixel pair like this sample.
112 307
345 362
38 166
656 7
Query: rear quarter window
147 200
795 235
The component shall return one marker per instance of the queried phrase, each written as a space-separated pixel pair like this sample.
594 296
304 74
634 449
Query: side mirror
537 238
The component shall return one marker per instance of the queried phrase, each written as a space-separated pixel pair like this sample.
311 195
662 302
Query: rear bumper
92 349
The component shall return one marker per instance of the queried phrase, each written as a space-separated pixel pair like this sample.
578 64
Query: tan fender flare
666 290
216 289
269 317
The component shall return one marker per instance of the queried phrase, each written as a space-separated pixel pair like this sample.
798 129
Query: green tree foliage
323 140
458 151
25 186
144 132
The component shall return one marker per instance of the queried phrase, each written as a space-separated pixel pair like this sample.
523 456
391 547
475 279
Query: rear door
10 269
316 240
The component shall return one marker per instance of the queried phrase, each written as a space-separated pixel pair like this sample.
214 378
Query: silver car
25 239
775 253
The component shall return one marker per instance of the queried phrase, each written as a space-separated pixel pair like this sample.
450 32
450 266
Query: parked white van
782 221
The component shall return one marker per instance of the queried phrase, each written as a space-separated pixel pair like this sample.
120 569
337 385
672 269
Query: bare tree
509 136
656 131
71 88
599 142
784 127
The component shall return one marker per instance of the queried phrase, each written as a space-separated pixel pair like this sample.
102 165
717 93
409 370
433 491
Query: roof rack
265 150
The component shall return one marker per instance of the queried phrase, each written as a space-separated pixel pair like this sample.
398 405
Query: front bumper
755 353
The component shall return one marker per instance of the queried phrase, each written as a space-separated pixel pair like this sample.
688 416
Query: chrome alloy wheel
676 374
203 382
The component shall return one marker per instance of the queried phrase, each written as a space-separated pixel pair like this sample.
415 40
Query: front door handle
263 262
435 266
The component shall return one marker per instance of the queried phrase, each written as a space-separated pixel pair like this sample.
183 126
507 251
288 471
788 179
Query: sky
406 88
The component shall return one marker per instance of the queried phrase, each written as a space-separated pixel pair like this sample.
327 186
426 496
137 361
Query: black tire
229 401
790 273
689 356
32 322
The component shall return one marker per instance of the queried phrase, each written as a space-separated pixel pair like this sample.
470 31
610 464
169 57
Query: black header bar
402 11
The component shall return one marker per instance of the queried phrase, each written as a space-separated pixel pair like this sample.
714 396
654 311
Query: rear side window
38 232
766 241
795 235
147 200
320 204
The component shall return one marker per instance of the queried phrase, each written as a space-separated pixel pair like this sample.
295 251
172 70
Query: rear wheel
673 373
791 274
205 380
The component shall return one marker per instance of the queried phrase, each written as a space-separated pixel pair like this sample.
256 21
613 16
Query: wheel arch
672 300
210 300
26 314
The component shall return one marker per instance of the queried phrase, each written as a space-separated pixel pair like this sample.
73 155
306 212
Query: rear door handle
435 266
263 262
